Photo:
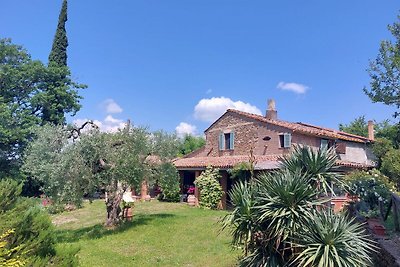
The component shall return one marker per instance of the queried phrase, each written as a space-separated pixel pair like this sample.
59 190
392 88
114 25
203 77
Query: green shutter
324 144
287 140
232 141
221 141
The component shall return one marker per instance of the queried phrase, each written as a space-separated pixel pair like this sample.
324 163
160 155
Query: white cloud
185 128
293 87
109 124
210 109
111 107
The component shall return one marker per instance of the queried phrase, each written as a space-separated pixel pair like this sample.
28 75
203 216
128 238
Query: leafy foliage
384 71
190 143
210 189
390 165
32 238
7 255
241 171
383 130
371 187
358 126
31 94
70 169
169 182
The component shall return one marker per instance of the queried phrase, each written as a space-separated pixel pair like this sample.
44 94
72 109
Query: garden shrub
9 256
371 187
241 171
169 183
33 233
210 189
391 166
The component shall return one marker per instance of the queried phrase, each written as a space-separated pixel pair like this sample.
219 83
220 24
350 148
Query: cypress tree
58 54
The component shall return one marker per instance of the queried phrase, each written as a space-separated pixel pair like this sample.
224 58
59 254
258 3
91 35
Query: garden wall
388 254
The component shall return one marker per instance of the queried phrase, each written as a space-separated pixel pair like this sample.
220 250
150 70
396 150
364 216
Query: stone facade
264 139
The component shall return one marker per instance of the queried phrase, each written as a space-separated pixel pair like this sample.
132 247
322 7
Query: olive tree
71 168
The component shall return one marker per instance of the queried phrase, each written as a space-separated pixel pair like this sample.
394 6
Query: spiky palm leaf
241 221
333 240
284 203
318 165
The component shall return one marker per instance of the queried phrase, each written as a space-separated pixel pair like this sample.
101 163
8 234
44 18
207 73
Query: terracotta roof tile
222 162
265 162
303 128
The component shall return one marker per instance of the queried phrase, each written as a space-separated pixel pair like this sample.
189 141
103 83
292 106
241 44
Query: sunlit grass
160 234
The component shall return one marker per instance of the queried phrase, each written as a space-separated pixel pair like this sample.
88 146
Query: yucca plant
241 222
333 240
318 165
284 203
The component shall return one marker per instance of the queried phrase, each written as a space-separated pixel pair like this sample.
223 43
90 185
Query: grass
160 234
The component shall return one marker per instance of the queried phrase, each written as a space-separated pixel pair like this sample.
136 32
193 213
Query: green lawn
160 234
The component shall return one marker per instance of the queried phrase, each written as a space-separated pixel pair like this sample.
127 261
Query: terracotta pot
379 230
372 222
128 214
191 200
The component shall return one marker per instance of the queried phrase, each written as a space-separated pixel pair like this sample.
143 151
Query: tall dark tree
58 54
58 98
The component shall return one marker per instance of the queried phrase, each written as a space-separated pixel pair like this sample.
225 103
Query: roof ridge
295 127
334 130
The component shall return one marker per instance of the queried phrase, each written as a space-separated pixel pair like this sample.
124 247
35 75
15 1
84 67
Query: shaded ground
161 234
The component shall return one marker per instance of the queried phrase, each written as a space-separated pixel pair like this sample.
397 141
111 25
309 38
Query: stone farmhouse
230 139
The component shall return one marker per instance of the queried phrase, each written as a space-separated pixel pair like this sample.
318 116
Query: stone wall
388 254
252 133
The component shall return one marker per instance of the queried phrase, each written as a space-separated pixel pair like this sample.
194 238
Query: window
285 140
324 144
226 141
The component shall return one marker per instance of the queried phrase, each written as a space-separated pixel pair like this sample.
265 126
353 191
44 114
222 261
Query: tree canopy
31 93
384 71
190 143
71 168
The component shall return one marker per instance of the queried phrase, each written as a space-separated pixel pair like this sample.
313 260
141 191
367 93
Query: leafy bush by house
371 187
241 171
169 183
210 189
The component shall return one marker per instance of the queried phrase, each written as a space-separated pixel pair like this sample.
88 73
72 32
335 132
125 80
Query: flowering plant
371 187
191 189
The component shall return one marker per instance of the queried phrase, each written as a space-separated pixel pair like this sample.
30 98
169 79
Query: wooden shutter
341 148
287 140
221 141
232 141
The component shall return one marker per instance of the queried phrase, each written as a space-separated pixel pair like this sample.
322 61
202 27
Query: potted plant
374 222
127 210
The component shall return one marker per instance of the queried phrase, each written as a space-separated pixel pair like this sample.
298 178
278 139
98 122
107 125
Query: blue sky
163 63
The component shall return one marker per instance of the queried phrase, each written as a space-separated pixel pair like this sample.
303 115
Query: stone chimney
271 113
371 135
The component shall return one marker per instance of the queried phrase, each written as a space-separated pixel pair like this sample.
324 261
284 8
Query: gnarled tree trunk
115 194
